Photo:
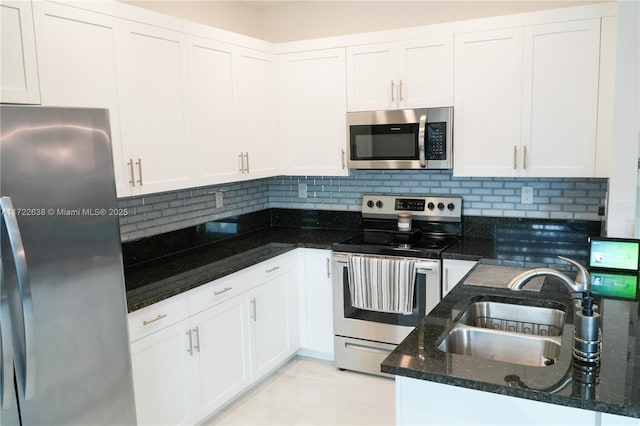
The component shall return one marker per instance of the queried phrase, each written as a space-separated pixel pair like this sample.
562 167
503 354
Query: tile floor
312 392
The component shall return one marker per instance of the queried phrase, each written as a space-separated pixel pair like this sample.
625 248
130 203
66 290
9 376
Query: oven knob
431 206
440 206
379 204
451 206
370 204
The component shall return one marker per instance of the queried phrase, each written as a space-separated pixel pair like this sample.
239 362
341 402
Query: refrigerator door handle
25 357
6 351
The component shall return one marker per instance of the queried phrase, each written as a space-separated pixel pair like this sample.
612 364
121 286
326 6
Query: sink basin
503 329
516 348
516 318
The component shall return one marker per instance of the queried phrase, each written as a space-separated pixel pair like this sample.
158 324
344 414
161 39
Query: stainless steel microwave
400 139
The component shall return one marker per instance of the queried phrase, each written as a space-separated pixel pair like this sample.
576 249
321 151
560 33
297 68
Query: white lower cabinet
221 355
271 334
194 352
161 363
453 271
316 307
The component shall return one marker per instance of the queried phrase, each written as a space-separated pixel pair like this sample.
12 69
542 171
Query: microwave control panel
436 141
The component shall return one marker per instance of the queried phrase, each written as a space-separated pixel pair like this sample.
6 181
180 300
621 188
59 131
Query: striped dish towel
382 284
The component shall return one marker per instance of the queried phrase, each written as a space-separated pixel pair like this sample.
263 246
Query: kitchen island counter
616 390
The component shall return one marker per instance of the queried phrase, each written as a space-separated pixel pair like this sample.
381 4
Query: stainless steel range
386 279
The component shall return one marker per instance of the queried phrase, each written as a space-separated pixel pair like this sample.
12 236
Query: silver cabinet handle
275 268
6 350
25 362
241 158
421 147
157 318
515 157
196 345
328 268
344 164
133 176
524 158
401 96
190 349
254 310
446 279
393 90
224 290
139 163
247 157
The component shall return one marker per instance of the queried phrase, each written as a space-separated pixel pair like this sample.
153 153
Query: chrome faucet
581 284
587 341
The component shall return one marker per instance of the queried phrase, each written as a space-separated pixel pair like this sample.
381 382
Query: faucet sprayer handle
582 278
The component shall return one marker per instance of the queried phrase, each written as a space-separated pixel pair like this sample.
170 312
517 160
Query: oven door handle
421 137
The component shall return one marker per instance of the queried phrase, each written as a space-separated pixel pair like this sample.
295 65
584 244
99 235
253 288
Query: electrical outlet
219 201
527 195
302 190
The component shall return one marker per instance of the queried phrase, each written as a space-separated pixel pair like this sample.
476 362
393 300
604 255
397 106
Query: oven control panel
447 208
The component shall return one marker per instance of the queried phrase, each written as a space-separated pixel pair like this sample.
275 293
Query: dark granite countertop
152 281
618 386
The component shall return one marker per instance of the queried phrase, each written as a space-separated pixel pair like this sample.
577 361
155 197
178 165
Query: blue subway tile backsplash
553 198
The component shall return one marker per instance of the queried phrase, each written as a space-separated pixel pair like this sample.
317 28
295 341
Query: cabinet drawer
269 269
157 316
215 292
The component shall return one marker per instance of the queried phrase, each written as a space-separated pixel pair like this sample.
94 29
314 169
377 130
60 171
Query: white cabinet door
487 103
371 77
318 303
212 90
76 53
258 114
19 67
162 377
425 73
453 271
270 323
152 76
313 110
560 98
221 355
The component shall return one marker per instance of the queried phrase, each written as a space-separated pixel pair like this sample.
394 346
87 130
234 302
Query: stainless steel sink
502 346
516 318
506 330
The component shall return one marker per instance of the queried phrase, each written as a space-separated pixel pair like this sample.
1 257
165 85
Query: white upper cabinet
77 55
425 72
18 68
371 77
487 103
606 95
408 74
560 99
258 115
526 101
313 106
152 78
213 100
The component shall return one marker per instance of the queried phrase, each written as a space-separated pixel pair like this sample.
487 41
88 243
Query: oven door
376 326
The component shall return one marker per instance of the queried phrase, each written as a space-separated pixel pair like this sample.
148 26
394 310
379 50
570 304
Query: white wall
302 20
623 219
235 16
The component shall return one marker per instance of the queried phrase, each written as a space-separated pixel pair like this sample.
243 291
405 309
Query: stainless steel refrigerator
64 343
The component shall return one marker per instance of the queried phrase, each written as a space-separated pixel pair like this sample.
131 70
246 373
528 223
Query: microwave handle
421 135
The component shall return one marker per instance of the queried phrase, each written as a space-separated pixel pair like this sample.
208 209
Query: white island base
421 402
